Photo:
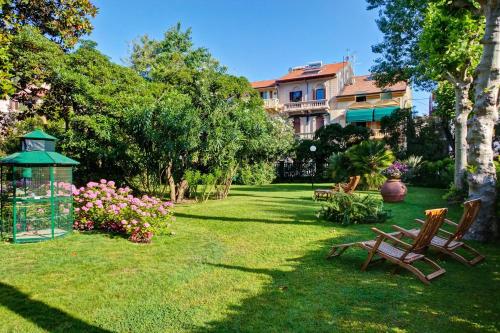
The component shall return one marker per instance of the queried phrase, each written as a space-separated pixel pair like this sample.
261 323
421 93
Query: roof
40 135
304 73
37 158
263 84
364 85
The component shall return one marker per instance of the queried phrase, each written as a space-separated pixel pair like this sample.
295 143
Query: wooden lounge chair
449 243
401 253
346 187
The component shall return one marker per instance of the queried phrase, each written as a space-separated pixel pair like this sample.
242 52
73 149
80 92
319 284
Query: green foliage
435 173
354 208
450 41
262 173
368 159
421 136
413 162
64 22
328 140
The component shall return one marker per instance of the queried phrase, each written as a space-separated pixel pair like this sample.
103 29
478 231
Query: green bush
353 209
366 159
435 174
261 173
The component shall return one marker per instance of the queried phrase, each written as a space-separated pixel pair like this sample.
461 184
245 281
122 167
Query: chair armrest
420 221
444 232
388 236
450 222
403 231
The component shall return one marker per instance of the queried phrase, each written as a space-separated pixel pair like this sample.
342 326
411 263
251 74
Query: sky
258 39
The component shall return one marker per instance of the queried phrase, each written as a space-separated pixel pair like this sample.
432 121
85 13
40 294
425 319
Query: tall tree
427 41
62 21
482 178
450 50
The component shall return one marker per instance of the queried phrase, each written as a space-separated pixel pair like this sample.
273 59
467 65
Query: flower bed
103 206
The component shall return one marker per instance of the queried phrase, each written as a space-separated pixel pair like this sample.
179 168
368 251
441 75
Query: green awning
359 115
37 158
379 113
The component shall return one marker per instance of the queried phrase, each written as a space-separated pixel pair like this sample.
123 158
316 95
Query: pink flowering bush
103 206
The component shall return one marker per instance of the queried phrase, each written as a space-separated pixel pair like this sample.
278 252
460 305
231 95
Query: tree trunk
482 179
463 108
171 182
181 190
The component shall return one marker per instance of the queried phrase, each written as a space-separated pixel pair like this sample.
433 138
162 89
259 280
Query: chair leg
368 259
478 256
418 273
337 250
438 269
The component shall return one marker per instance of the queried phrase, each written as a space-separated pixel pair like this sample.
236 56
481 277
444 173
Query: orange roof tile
302 74
364 85
263 84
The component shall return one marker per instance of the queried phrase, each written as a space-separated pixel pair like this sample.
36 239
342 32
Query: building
9 105
318 94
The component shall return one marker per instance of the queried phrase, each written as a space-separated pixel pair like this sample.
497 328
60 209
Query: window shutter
314 94
320 122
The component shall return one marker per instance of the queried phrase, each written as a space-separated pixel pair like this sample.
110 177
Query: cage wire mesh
36 202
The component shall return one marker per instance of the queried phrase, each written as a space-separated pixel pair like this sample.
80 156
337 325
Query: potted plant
394 190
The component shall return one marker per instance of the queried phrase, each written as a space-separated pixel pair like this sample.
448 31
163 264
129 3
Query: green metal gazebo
36 191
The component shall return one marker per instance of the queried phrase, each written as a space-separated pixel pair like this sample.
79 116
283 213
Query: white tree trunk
463 108
482 179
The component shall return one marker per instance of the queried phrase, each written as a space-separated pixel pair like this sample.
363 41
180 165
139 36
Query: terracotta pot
393 190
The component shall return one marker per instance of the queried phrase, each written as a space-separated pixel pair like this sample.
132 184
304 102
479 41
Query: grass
253 263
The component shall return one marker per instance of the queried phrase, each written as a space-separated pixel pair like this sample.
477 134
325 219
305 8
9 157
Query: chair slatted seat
449 242
399 252
345 187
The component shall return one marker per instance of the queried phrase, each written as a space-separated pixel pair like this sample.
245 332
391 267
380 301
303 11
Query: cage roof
39 135
37 158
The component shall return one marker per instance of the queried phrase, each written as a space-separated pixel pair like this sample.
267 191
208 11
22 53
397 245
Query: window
264 94
386 95
361 98
296 96
320 94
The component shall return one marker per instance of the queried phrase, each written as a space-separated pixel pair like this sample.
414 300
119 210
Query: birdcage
36 195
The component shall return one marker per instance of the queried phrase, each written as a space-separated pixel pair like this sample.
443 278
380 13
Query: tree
62 21
233 128
482 176
426 41
450 49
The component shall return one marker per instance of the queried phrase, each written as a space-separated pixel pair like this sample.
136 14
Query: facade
319 94
9 105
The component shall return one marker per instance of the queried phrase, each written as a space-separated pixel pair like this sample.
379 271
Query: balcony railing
307 105
304 136
271 103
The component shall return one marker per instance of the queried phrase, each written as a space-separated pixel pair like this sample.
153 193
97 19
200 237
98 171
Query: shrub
262 173
366 159
353 209
102 206
435 174
413 162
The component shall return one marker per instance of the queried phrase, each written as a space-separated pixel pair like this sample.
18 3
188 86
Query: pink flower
89 204
77 209
111 183
146 225
98 202
103 181
124 221
85 208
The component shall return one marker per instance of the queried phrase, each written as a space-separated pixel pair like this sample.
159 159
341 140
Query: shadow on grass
44 316
312 294
294 219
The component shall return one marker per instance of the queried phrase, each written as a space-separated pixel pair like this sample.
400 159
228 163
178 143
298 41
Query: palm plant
368 159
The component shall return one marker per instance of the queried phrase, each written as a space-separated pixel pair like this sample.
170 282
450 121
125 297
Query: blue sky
257 39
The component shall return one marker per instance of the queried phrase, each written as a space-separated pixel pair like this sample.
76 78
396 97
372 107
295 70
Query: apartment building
318 94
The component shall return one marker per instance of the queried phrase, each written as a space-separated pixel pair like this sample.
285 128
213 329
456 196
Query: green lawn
254 263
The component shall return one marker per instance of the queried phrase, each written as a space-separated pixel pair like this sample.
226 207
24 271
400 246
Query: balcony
272 103
304 136
307 105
